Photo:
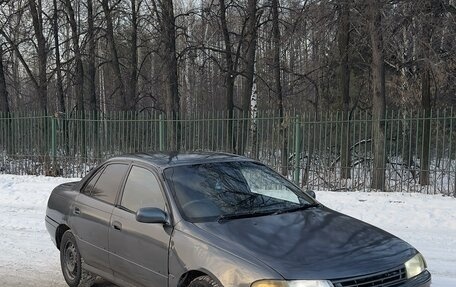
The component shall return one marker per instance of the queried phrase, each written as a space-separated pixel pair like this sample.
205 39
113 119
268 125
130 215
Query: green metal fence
308 148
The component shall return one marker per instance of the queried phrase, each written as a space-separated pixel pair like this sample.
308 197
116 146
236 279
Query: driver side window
142 189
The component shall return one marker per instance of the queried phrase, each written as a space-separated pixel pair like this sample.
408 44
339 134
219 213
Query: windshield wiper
230 216
226 217
296 208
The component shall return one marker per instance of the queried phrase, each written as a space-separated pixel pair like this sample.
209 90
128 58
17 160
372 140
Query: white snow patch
29 258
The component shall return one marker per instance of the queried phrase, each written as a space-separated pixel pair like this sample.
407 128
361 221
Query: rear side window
89 186
107 186
142 190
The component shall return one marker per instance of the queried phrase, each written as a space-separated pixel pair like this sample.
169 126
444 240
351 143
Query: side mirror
312 194
151 215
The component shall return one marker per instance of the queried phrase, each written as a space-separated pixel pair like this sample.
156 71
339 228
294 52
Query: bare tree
277 82
164 11
344 86
114 55
79 68
249 54
134 52
42 52
4 102
5 126
91 50
378 93
58 64
15 47
425 45
230 74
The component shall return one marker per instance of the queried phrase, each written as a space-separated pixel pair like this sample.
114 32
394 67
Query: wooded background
190 57
199 55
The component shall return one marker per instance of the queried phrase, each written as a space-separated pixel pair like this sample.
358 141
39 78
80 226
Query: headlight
415 266
296 283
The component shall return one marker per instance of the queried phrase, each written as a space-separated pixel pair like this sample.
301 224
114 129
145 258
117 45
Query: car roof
163 160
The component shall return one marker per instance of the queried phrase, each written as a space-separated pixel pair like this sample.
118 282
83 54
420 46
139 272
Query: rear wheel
71 263
203 281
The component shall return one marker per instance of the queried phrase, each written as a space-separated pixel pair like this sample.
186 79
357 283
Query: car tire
71 263
203 281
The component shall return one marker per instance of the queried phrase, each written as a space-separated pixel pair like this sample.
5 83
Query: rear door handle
117 225
77 211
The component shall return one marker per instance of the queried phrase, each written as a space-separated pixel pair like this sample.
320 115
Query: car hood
316 243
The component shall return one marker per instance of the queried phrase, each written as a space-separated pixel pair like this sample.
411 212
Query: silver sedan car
216 220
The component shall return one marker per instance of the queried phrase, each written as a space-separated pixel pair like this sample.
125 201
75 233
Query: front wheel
71 263
203 281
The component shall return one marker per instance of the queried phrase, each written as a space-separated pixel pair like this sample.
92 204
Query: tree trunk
37 20
78 75
229 75
378 95
79 71
16 73
4 103
5 124
58 65
425 146
278 84
344 88
36 12
254 118
249 57
171 74
133 54
91 65
426 94
93 105
114 55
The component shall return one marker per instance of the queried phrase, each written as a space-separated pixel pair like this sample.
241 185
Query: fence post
297 162
161 133
53 141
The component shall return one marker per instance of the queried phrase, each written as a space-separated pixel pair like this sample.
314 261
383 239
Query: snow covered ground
28 258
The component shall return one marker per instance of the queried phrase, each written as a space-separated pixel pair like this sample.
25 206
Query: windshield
205 192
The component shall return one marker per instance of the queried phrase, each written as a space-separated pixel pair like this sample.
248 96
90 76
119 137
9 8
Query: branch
21 58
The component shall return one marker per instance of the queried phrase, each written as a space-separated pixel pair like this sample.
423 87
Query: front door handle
77 211
117 225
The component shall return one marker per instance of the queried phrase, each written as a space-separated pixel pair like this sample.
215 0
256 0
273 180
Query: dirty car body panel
220 220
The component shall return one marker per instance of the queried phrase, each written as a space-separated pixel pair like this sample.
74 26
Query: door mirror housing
151 215
312 194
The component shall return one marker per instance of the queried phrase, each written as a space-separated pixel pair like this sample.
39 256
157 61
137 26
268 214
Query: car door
92 213
139 251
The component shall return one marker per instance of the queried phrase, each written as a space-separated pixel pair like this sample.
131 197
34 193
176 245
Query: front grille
390 278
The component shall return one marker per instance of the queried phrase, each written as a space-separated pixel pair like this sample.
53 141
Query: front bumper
422 280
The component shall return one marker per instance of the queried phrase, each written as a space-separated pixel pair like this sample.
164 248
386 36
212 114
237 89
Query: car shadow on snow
100 282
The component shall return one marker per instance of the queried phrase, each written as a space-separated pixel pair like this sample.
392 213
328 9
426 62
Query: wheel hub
71 260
